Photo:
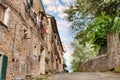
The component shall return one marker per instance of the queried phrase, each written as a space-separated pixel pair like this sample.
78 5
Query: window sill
3 24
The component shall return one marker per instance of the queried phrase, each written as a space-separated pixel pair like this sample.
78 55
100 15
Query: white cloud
50 5
56 7
61 15
65 31
60 8
66 37
52 9
46 2
63 24
67 2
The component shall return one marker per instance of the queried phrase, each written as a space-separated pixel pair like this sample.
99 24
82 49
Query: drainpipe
13 55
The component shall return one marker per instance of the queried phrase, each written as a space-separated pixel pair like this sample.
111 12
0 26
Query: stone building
29 38
55 48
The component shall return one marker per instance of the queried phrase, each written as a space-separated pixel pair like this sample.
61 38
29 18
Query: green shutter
4 67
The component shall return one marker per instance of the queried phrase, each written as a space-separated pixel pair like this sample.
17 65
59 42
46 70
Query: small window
55 36
34 46
13 60
30 2
39 58
48 52
2 13
0 55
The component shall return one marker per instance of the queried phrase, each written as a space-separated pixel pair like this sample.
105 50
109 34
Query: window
29 5
13 60
55 36
2 13
30 2
39 58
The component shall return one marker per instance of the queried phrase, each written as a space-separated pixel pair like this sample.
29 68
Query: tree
81 54
83 12
95 19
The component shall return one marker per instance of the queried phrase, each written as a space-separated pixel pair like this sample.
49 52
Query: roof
42 6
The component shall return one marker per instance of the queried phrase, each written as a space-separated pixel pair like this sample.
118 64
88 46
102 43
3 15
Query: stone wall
100 63
105 62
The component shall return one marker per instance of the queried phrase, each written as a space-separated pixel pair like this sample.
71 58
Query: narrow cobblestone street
86 76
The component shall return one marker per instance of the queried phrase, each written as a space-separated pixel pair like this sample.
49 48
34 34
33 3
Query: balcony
40 35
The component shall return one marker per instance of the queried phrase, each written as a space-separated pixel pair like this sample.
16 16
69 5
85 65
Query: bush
41 78
117 69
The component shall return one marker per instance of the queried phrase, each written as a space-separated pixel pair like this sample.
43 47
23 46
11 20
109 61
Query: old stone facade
54 49
29 38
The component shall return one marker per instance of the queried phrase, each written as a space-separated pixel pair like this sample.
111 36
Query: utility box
3 66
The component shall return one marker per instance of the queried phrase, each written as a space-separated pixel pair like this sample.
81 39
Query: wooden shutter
2 13
4 67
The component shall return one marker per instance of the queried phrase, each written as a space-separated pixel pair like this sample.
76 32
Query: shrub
117 69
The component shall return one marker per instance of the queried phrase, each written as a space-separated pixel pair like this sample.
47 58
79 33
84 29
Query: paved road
86 76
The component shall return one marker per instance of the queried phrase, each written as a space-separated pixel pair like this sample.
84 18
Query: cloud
60 7
67 1
66 37
49 5
65 34
63 24
46 2
65 30
55 6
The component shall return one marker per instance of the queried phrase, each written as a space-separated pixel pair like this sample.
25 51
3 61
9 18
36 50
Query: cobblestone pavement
86 76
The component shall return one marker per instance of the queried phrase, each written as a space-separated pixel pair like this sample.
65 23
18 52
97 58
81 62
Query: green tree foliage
83 12
95 19
81 54
96 33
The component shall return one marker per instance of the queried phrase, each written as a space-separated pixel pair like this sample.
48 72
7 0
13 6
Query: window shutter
4 67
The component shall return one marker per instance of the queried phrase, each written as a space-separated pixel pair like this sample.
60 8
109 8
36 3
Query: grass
41 78
117 69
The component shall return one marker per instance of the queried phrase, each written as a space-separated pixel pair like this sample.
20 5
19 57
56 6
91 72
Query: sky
56 8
